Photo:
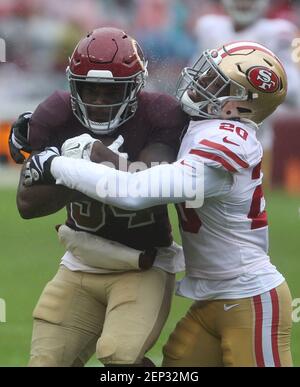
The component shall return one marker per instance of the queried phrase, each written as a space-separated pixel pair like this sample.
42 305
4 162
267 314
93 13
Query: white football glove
38 167
79 147
114 147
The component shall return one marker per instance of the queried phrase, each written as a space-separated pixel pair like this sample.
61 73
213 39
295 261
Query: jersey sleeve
155 186
46 119
232 153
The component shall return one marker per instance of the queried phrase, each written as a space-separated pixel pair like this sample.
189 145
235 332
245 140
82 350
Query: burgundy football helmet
107 70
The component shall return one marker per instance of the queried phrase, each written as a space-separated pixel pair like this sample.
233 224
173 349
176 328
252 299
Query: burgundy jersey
158 119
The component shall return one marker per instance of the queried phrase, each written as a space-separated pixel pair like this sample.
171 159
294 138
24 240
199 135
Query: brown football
107 140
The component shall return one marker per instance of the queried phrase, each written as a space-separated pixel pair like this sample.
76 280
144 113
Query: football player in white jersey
245 21
242 310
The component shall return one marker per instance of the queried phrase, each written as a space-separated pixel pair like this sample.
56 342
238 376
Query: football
106 140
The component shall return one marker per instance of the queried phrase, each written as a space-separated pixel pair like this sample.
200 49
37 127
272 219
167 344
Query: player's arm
177 178
34 201
169 183
42 200
163 184
37 201
46 199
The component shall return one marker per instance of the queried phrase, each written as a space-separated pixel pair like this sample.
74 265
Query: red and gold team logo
263 79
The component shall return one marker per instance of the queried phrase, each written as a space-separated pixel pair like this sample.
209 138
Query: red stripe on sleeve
227 152
256 172
214 157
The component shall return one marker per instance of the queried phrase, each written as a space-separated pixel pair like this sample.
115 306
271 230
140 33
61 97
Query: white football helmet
245 12
241 80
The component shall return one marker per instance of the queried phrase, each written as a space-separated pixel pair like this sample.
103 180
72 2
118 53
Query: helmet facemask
205 91
118 99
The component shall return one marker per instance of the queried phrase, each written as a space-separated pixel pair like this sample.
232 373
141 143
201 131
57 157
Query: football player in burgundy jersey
85 308
242 314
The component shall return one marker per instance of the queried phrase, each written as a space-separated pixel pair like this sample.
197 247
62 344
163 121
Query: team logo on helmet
138 52
263 79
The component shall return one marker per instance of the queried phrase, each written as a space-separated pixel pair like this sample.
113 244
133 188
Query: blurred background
40 35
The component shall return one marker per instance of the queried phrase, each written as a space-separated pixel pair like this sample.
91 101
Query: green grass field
30 254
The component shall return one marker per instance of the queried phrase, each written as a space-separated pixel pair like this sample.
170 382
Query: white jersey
226 240
213 31
231 232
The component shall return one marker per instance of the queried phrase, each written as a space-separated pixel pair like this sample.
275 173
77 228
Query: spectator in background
31 41
285 9
39 35
117 13
161 26
245 20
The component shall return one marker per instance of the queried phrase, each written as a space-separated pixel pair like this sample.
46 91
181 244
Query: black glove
38 167
147 258
18 138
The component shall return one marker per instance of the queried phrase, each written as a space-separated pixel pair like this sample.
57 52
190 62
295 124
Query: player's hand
147 259
78 147
18 138
37 169
116 145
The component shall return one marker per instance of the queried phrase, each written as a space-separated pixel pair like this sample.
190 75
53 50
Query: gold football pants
252 331
118 316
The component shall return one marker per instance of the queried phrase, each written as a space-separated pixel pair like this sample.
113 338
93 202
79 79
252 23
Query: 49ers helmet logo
263 79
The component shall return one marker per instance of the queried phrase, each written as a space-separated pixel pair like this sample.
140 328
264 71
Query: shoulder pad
230 145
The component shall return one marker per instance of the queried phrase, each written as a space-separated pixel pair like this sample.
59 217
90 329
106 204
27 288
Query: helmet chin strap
229 110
